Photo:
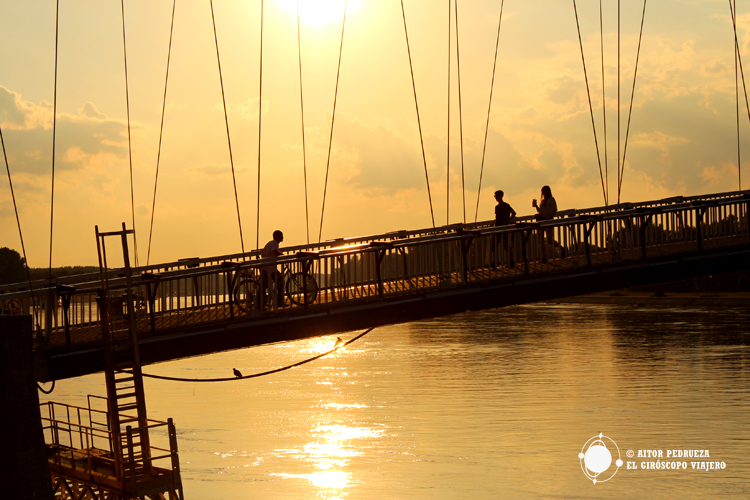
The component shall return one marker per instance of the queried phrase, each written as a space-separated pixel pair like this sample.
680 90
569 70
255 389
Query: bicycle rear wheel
296 286
246 294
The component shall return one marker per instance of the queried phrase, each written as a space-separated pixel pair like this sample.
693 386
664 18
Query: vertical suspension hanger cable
20 235
161 133
302 113
260 129
630 111
742 71
54 136
226 121
130 149
604 107
416 105
736 90
333 120
460 112
591 108
489 108
618 98
448 154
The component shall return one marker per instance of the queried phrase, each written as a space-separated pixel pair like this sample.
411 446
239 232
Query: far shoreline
671 299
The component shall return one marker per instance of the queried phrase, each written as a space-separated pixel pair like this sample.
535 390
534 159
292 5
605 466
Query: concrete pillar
23 458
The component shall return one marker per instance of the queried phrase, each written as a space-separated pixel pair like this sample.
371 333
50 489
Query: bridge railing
194 292
188 263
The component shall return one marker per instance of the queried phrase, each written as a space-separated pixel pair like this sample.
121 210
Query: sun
318 12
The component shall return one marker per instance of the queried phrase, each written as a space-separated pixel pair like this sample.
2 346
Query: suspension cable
736 90
448 154
54 136
489 108
604 107
226 121
20 234
742 73
260 129
130 151
618 102
419 123
630 111
591 108
333 120
460 112
161 133
261 374
302 113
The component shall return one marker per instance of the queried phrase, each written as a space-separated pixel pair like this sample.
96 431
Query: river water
494 404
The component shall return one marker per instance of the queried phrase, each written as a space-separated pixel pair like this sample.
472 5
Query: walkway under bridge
199 306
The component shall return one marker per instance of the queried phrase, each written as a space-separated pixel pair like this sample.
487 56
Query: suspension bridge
124 318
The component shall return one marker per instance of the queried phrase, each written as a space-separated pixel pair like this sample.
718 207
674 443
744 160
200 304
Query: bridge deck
204 306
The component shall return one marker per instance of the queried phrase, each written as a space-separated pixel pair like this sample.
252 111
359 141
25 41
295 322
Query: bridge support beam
23 459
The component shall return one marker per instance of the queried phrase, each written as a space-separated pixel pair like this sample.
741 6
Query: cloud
83 140
247 110
212 169
383 162
713 175
89 110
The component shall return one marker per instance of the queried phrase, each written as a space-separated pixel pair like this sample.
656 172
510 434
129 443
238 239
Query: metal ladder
126 399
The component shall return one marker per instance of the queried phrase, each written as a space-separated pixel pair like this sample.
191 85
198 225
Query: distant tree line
13 268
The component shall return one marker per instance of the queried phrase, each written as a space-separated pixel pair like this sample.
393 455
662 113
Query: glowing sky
682 139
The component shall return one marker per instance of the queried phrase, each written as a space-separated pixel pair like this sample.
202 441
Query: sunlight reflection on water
493 404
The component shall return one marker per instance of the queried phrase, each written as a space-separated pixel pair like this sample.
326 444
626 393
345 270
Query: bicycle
250 289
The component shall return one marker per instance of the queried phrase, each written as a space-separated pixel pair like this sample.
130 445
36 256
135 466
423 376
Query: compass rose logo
596 458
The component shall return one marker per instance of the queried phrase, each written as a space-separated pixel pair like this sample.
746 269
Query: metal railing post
699 214
587 240
524 250
645 222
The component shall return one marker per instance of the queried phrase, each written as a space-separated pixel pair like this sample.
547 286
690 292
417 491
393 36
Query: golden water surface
494 404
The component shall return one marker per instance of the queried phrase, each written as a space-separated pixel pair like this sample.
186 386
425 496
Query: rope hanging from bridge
419 122
130 150
161 133
738 59
54 136
261 374
333 119
460 112
302 113
630 111
489 108
260 129
20 233
226 121
46 391
591 108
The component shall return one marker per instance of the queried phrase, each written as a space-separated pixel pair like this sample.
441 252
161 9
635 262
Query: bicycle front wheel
297 285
